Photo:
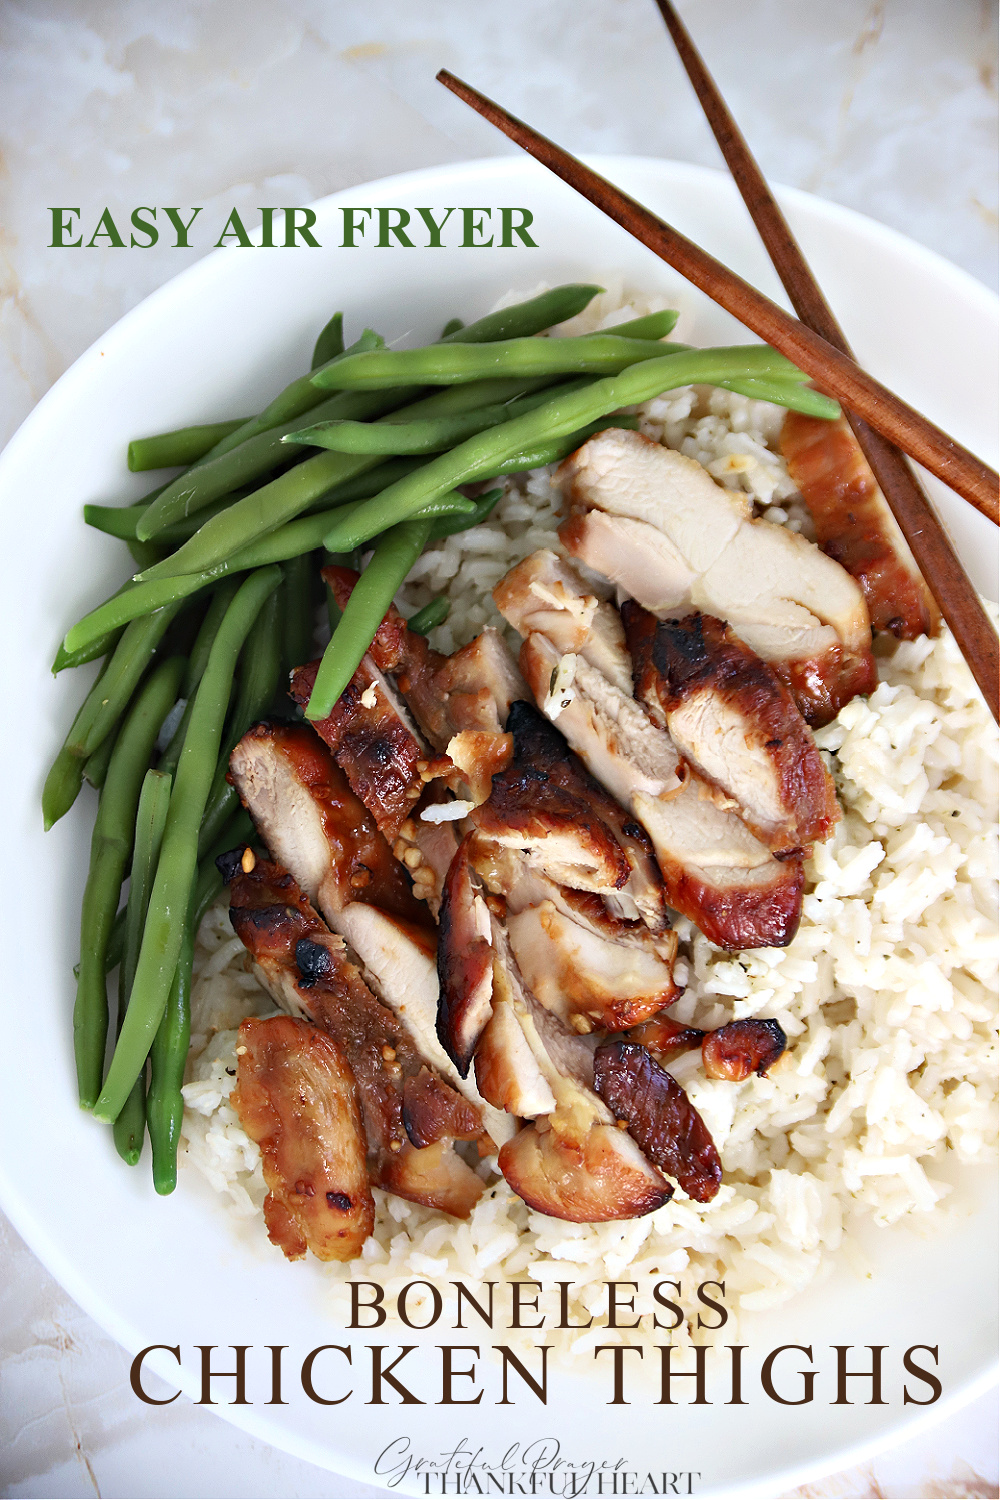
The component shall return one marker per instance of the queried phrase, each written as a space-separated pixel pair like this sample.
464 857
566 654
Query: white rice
887 993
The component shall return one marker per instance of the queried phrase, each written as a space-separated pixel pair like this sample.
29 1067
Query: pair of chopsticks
880 420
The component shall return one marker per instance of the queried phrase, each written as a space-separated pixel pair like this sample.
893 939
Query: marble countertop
886 106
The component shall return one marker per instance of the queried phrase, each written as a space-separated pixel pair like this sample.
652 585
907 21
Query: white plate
220 339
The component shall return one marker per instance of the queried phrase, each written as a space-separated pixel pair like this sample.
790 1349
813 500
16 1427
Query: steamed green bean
102 646
427 435
297 612
248 454
451 525
330 342
210 479
95 767
526 318
286 542
110 849
455 364
177 866
167 1060
290 494
102 708
345 535
168 1054
431 616
289 403
259 670
394 556
164 450
130 1125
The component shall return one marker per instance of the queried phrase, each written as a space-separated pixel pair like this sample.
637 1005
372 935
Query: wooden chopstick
834 371
933 552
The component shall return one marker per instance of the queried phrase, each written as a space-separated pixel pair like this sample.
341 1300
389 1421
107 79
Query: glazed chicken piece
718 874
734 1051
654 522
665 1038
855 526
735 723
313 823
715 871
479 682
412 727
547 805
295 1096
612 734
307 971
545 595
742 1048
572 1162
374 741
401 652
464 962
387 762
470 690
659 1116
399 962
588 966
588 979
576 662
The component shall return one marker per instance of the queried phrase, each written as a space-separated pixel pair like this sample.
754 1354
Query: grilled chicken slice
733 1051
659 1116
611 733
665 1038
572 1162
426 845
295 1096
589 981
478 755
374 741
472 689
587 967
307 971
716 872
546 595
313 823
405 702
464 962
570 945
399 962
735 723
855 526
387 763
577 664
657 524
290 786
548 805
479 682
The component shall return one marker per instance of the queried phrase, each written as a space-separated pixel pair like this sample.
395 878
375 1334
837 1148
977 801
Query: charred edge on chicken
659 1115
741 1048
464 963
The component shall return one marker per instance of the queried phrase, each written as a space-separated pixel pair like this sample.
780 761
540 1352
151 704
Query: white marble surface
888 106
